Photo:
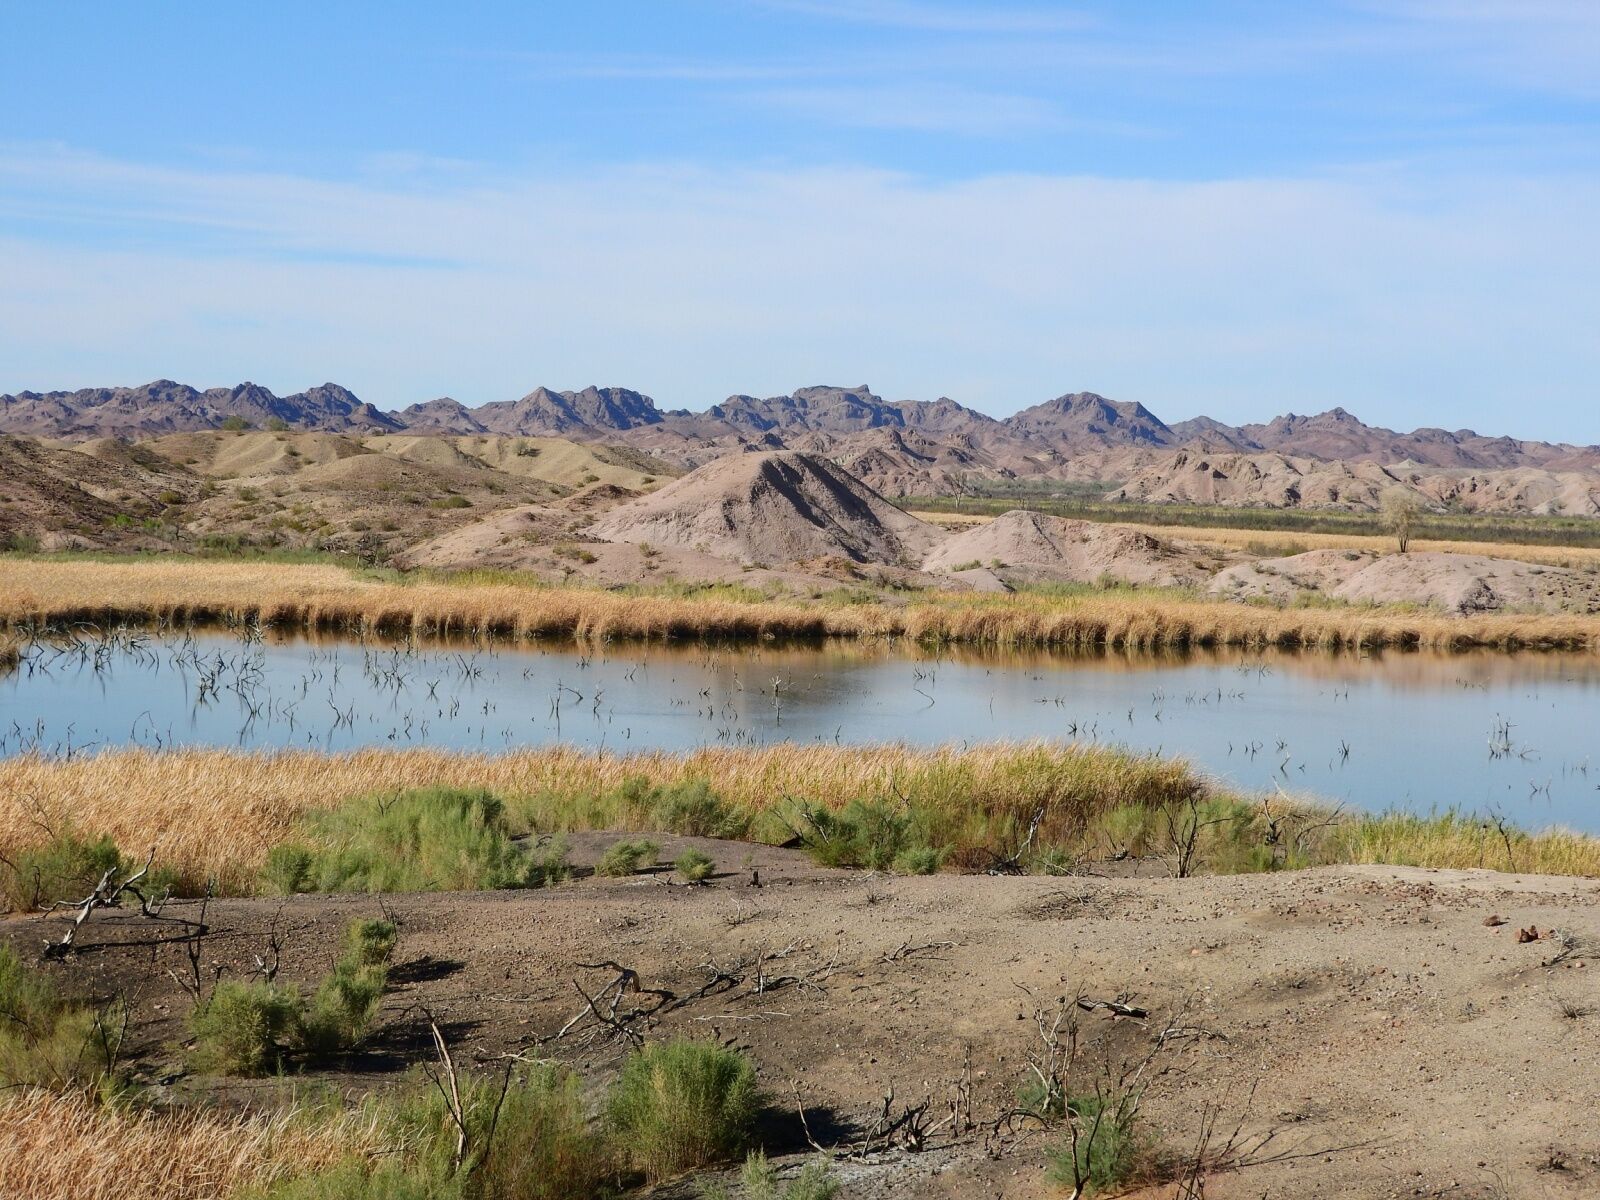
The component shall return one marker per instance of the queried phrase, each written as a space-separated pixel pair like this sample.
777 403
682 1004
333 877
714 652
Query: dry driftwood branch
1011 864
907 950
108 893
604 1005
449 1088
1117 1008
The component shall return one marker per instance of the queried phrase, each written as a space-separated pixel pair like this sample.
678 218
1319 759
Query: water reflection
1478 731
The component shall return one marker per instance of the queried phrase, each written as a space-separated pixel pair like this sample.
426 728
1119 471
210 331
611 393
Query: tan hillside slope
1456 583
1281 481
1258 480
777 507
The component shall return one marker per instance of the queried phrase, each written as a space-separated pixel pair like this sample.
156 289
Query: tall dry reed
55 1147
34 591
216 813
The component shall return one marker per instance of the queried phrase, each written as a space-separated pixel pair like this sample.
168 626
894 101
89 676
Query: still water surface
1490 732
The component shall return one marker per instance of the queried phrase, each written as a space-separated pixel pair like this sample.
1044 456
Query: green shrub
46 1041
244 1028
424 840
1108 1150
875 834
235 424
695 866
541 1146
344 1004
450 502
287 870
684 1104
626 857
918 860
758 1180
692 809
67 867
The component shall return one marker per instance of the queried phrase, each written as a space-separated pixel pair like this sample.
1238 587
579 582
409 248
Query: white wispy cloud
1412 301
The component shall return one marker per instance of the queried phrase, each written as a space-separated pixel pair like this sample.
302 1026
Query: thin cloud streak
937 18
1412 302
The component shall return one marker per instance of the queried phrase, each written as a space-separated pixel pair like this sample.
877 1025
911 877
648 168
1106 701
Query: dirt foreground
1394 1042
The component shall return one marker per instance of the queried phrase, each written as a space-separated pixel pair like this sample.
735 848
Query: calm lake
1483 732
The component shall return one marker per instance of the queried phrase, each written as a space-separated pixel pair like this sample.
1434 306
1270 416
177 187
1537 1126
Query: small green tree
1399 509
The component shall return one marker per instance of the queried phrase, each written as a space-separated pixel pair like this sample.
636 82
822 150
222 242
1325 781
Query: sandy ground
1395 1043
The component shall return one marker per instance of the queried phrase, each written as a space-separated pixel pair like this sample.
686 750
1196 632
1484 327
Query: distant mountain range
908 436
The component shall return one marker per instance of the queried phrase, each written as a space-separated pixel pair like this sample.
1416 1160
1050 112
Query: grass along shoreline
38 592
218 814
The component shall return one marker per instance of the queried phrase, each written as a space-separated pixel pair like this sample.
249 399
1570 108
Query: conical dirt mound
781 507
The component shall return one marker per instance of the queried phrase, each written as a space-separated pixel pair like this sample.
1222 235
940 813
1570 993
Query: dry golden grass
68 1148
326 597
1460 842
216 813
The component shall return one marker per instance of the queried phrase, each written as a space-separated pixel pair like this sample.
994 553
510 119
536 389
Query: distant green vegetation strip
1447 527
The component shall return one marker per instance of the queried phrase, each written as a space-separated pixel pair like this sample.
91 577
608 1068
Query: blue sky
1232 208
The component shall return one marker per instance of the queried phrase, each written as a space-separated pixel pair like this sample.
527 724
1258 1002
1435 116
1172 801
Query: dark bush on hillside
254 1027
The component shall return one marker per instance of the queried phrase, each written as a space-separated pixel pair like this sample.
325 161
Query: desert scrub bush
47 1042
874 834
694 866
423 840
688 807
918 860
627 857
1102 1150
287 870
244 1028
758 1180
66 867
450 502
691 809
573 551
534 1142
683 1104
342 1008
